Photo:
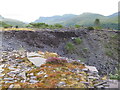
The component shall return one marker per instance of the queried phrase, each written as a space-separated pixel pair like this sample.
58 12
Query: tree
16 26
97 22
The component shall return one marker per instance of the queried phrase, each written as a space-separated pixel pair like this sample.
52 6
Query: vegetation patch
44 25
70 47
85 49
54 60
115 36
82 59
78 40
77 26
109 53
90 28
18 29
115 76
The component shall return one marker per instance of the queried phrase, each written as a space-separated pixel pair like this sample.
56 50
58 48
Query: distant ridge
85 19
12 22
55 19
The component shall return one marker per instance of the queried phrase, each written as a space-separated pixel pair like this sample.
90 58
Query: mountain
85 19
55 19
12 22
115 14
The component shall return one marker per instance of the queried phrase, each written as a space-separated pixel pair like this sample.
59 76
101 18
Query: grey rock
10 79
19 61
101 86
40 73
17 71
11 68
87 83
61 83
33 77
22 81
9 82
92 77
46 76
85 69
11 86
1 75
15 80
31 74
33 81
106 85
23 75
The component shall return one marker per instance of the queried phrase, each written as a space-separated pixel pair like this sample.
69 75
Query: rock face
98 47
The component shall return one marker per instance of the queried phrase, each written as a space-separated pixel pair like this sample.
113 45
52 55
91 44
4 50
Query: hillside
11 22
97 47
55 19
85 19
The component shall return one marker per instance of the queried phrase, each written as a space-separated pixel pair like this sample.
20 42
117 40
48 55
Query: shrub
78 40
77 26
90 28
58 25
98 27
54 60
39 25
69 46
116 77
97 22
16 26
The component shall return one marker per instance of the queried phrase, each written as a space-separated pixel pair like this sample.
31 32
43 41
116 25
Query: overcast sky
30 10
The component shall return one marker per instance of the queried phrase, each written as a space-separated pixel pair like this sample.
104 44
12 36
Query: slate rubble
14 68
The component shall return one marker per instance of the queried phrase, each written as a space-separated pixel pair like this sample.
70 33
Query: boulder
92 69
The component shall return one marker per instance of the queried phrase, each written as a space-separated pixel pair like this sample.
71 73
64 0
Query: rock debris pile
21 69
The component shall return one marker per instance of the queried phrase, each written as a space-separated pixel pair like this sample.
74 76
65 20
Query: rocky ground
95 56
18 71
98 48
